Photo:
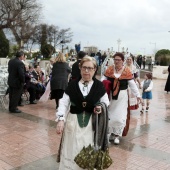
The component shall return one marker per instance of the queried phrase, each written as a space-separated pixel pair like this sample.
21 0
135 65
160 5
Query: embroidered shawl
126 75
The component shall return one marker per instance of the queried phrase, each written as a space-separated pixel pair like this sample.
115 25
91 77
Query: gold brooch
84 104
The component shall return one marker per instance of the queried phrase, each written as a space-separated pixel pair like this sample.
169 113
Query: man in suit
16 81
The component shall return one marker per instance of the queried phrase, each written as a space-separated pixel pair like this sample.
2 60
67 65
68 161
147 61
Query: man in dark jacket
75 67
16 81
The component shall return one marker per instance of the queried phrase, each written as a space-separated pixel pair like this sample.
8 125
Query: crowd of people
143 61
80 97
22 78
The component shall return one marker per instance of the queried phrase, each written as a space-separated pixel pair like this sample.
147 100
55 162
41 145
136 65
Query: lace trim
118 130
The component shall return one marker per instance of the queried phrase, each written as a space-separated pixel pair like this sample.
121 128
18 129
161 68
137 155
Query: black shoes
147 108
21 104
33 102
142 111
15 111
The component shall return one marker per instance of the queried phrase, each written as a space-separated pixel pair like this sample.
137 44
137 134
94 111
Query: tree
4 45
47 50
163 57
19 16
32 38
56 36
51 35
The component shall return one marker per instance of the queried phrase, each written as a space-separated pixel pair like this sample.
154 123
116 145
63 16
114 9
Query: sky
141 25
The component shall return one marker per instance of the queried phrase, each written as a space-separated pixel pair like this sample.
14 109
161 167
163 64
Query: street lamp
155 47
62 44
118 43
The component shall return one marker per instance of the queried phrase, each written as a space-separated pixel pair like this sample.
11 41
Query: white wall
4 61
158 72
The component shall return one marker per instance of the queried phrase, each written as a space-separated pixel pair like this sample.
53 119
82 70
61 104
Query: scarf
126 75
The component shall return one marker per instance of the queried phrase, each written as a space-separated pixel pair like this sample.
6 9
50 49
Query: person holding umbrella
75 112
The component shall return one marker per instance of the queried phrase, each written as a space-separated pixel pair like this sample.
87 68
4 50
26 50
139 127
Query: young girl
147 86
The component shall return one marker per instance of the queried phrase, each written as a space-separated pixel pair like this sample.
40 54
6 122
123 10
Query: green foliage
4 45
36 54
13 50
163 57
47 50
163 61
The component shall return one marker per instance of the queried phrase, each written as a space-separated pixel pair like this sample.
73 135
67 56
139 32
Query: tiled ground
28 140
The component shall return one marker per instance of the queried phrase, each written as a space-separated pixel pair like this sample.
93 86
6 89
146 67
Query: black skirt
167 86
57 94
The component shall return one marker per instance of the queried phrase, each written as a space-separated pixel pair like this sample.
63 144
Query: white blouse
150 85
64 102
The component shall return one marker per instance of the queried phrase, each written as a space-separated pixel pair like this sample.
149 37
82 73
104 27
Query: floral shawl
126 75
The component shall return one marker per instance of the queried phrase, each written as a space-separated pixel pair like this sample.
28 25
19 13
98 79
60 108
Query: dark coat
36 75
16 70
60 72
75 70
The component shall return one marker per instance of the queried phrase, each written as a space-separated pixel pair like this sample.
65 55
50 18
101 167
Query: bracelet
59 118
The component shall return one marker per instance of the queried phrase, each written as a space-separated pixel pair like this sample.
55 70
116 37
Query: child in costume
147 86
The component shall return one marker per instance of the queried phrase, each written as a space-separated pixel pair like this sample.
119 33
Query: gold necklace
117 70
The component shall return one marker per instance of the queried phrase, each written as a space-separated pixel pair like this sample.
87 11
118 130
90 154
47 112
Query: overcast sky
141 25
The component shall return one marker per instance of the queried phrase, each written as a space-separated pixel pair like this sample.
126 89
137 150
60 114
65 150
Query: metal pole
118 42
62 47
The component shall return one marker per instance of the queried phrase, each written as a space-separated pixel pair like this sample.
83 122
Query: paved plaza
28 140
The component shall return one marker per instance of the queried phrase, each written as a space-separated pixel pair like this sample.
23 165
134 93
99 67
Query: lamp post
155 47
62 45
118 43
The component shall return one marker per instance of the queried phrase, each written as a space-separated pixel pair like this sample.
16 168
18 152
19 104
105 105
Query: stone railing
43 63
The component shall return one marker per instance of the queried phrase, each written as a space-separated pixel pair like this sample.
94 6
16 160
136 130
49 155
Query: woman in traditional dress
80 102
132 99
119 114
167 86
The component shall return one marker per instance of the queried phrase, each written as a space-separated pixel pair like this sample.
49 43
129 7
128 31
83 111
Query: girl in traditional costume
120 78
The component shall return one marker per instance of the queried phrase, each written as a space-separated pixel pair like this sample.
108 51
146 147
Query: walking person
150 63
120 78
147 86
75 73
139 60
144 62
59 78
132 99
16 80
167 86
81 98
48 68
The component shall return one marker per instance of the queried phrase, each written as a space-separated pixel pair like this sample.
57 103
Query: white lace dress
118 108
